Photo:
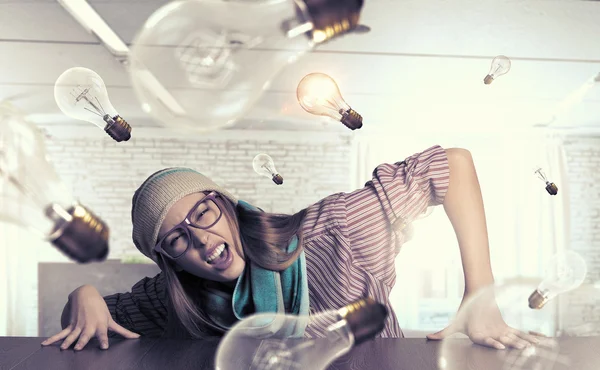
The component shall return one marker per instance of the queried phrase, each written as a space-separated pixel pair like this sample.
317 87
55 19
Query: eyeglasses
203 215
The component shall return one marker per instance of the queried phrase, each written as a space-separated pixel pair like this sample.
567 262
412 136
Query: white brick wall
583 155
104 174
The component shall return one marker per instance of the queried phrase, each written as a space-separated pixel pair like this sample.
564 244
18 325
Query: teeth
216 253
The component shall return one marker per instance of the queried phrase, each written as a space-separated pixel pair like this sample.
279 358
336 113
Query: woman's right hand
89 318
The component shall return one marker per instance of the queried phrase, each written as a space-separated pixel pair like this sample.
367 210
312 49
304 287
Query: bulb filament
541 175
22 187
98 109
268 168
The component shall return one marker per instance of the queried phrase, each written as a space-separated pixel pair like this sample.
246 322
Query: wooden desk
20 353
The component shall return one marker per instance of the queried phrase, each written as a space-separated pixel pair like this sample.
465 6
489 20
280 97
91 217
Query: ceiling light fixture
83 12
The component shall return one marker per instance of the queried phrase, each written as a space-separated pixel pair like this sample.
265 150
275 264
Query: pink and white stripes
352 239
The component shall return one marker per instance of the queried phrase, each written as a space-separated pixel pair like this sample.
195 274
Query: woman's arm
142 310
464 206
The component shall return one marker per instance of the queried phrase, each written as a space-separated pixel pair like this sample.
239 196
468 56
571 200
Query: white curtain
526 225
18 281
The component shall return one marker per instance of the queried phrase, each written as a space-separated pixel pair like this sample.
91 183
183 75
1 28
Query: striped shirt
351 241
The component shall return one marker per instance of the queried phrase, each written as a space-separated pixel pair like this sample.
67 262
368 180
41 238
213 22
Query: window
526 225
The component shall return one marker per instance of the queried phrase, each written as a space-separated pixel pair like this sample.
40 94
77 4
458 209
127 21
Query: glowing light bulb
318 94
32 195
268 341
80 93
551 188
264 166
204 64
565 272
500 66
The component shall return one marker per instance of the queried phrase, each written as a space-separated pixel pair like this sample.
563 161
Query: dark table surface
581 353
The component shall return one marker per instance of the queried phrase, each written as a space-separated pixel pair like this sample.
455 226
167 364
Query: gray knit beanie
153 199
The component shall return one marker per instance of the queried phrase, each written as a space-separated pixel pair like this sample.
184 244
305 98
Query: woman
222 259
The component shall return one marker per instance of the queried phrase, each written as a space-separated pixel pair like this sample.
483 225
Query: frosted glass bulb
565 272
203 64
263 165
270 341
32 195
501 304
500 66
80 93
318 94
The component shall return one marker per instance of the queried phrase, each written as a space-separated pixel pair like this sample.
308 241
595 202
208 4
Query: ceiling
420 68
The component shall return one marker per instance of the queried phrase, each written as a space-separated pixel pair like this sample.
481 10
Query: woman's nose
199 236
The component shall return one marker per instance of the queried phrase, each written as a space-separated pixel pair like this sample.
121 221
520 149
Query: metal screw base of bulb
278 179
82 236
537 300
488 79
551 188
117 128
331 18
351 119
365 317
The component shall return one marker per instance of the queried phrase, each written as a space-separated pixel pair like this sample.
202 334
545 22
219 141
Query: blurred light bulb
500 66
80 93
494 306
551 188
264 166
565 272
204 64
578 325
318 94
265 341
32 195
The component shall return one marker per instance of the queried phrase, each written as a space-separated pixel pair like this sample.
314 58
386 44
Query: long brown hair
260 237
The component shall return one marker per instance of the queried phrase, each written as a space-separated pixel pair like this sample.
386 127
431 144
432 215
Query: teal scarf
258 291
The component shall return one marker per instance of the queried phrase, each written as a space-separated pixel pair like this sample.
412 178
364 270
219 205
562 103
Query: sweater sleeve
143 310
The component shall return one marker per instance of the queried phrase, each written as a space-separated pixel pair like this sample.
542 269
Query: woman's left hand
485 326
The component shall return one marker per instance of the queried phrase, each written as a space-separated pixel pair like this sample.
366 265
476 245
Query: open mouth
217 253
221 257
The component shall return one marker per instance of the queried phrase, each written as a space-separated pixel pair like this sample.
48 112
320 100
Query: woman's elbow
459 157
461 153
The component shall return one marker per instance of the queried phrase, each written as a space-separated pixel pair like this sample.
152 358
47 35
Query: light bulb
551 188
32 195
565 272
204 64
80 93
264 166
318 94
500 66
493 306
268 341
